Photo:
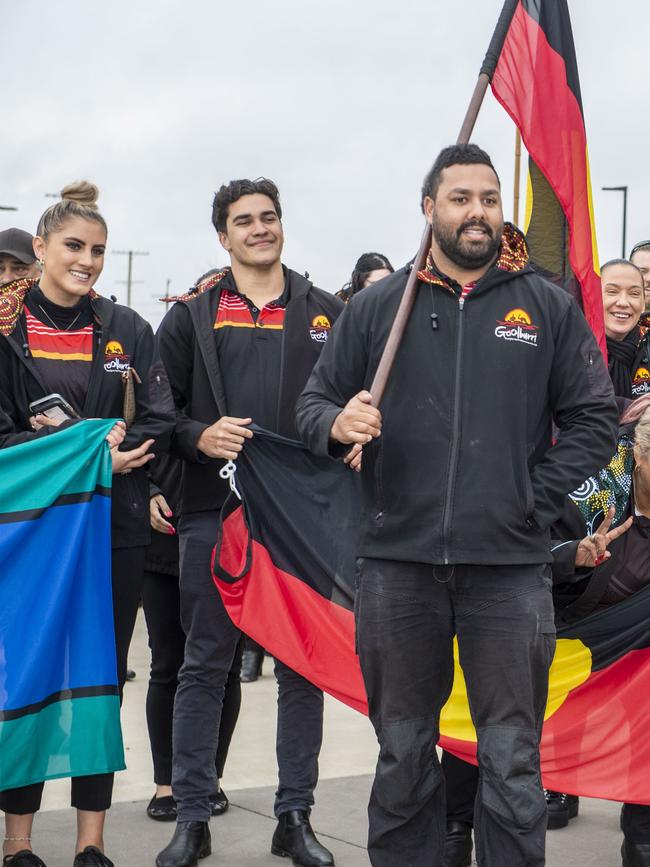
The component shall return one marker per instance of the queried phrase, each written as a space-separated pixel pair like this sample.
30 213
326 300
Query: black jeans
161 603
211 642
95 792
406 617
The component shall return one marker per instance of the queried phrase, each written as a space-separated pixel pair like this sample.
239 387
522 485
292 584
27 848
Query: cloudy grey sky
344 103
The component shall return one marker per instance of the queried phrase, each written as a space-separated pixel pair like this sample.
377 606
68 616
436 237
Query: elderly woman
601 559
628 351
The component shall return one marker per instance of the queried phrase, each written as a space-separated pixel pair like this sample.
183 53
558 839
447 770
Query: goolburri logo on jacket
115 361
320 328
517 325
641 382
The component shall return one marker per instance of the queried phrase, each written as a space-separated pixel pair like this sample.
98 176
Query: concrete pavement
242 836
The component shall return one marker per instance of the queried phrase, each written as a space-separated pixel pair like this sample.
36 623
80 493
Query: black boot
635 854
458 845
190 842
294 838
251 664
561 808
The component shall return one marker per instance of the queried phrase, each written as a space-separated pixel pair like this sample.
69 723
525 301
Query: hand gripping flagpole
406 304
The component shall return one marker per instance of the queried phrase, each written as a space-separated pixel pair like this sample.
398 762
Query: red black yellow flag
285 565
536 81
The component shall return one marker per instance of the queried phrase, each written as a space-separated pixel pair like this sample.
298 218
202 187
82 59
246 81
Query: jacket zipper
455 438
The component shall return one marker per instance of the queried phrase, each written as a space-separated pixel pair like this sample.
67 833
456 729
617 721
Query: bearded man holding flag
460 486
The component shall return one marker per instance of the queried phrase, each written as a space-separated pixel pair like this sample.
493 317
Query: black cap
18 243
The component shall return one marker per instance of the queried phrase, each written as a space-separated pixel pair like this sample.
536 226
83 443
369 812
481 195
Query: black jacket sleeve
11 436
175 339
339 374
582 401
12 428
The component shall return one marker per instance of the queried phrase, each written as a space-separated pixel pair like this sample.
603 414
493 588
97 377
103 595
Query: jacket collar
12 301
295 285
513 258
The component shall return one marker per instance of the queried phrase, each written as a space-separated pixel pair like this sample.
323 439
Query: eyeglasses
640 246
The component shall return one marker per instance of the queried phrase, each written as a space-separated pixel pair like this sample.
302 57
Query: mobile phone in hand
53 406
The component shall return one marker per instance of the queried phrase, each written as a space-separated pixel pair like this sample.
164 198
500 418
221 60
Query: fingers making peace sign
592 550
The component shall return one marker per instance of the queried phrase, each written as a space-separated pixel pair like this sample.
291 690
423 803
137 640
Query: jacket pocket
132 496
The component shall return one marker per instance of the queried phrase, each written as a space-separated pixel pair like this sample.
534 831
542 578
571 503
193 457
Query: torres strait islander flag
59 701
536 81
284 564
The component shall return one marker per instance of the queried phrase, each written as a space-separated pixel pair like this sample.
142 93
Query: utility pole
129 277
623 190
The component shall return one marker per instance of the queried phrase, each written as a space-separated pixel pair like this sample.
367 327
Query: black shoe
162 809
251 665
24 858
130 674
635 854
219 803
92 857
458 845
190 842
561 808
294 838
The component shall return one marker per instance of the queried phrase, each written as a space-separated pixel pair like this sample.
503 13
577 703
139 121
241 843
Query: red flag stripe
530 82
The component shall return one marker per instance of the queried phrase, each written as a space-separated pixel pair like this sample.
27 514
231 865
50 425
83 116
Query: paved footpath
241 837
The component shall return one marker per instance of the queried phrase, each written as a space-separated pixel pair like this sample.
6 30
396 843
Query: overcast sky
344 103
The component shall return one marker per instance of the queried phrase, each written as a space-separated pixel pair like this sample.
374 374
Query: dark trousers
95 792
461 785
211 642
636 823
161 603
461 780
406 618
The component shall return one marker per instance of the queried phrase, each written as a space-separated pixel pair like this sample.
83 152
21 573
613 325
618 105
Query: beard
467 254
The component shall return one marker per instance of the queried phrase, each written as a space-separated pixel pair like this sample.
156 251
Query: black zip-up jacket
20 384
189 353
464 471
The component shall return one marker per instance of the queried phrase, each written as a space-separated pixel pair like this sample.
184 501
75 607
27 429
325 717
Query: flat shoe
162 809
92 857
24 858
219 803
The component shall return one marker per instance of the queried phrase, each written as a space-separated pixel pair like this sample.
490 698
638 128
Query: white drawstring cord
228 472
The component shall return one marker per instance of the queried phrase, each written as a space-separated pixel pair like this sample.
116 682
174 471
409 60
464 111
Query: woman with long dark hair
370 268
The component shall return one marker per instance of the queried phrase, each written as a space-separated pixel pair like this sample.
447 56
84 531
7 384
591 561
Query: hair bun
82 192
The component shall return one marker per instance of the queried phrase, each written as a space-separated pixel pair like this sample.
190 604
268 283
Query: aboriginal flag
536 81
284 564
59 701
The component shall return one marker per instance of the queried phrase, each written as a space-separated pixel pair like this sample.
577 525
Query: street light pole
622 189
129 277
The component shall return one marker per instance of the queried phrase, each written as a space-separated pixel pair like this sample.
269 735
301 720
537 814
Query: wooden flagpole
515 207
406 304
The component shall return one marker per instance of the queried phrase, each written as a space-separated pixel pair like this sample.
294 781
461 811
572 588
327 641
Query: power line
129 276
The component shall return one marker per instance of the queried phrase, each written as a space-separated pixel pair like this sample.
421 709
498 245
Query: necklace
58 327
